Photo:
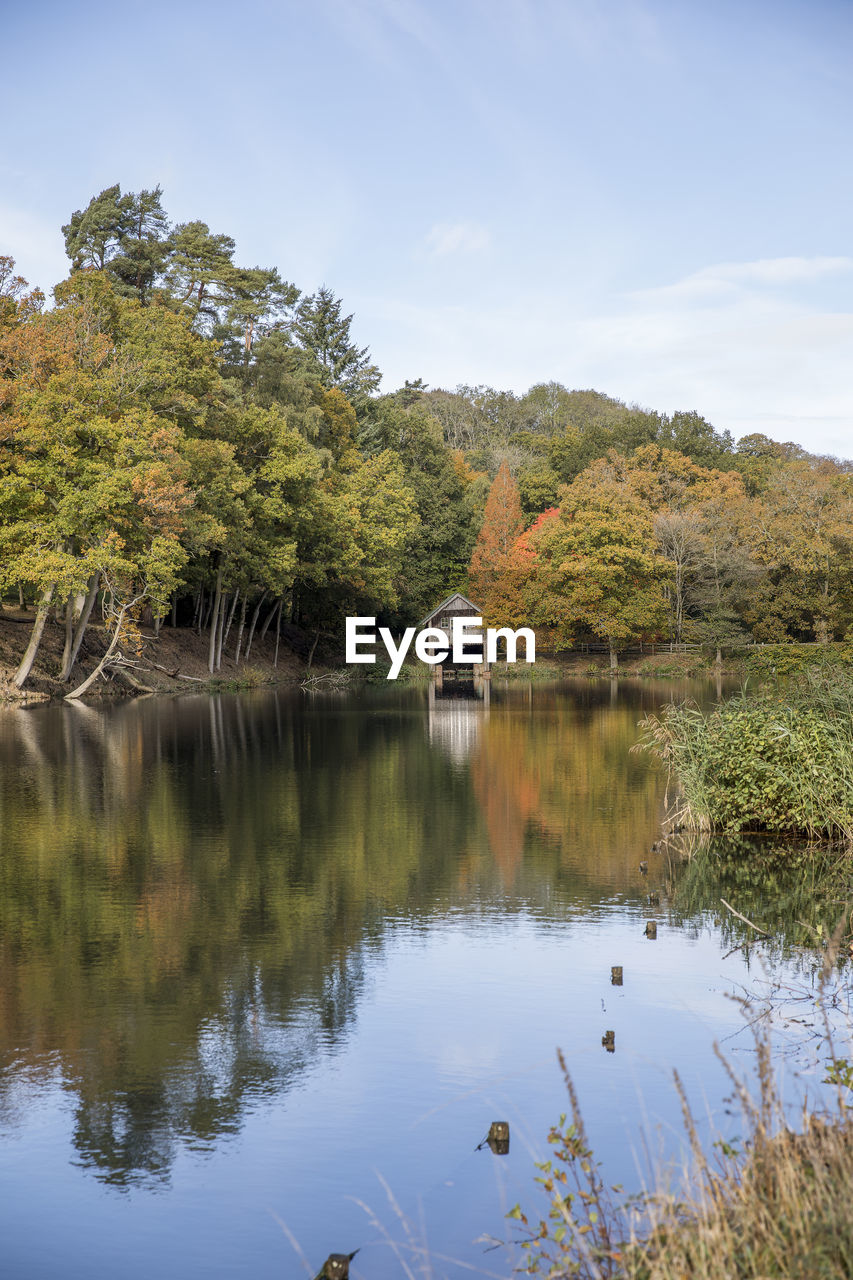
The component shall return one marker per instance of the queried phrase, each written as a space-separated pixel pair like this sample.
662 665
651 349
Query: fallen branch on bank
328 680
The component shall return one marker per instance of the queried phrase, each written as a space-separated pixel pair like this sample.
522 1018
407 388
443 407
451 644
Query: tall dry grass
778 1204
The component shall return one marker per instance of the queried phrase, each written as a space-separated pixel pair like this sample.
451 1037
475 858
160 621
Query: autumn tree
92 483
726 575
494 569
597 566
803 533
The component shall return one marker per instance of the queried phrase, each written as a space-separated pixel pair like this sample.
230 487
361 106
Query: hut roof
456 605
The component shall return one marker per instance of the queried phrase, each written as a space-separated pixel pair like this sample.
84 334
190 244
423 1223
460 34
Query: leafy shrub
775 660
764 761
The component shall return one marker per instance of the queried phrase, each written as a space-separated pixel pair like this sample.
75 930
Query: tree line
651 545
198 442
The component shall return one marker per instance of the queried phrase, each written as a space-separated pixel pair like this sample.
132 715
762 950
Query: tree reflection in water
193 892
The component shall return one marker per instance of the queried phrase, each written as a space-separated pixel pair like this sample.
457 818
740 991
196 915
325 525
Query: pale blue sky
649 197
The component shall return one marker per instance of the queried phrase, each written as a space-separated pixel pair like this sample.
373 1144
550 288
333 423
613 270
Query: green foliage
322 329
665 527
126 235
767 761
774 660
94 481
448 500
840 1071
597 566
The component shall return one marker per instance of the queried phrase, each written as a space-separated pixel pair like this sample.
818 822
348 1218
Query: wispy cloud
767 352
722 280
457 237
755 346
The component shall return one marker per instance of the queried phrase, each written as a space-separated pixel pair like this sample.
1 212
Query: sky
647 197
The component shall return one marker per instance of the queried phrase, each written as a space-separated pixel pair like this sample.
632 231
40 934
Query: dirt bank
175 660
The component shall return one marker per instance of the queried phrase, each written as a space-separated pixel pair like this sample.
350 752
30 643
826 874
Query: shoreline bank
176 660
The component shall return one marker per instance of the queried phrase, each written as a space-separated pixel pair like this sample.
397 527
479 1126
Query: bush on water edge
771 661
776 760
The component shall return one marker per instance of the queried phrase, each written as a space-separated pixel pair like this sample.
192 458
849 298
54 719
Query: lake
272 963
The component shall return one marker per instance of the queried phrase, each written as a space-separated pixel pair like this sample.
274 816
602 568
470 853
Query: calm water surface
267 960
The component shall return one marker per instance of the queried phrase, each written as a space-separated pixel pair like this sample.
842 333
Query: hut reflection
455 721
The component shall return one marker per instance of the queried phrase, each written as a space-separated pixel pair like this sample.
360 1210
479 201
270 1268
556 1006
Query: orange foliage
496 573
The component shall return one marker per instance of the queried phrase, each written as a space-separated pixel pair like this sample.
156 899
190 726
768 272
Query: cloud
754 346
457 237
766 352
722 279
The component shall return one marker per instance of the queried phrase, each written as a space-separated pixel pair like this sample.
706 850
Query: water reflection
188 890
454 722
196 895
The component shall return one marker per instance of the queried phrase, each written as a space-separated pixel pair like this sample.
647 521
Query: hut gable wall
455 606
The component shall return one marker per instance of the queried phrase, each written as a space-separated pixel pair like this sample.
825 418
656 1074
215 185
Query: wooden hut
457 606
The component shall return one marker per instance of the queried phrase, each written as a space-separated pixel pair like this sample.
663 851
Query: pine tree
126 235
199 262
93 235
321 329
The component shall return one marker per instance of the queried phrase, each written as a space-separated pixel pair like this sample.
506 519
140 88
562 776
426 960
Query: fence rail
671 646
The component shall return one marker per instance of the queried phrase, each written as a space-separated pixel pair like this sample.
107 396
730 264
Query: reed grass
774 1205
777 760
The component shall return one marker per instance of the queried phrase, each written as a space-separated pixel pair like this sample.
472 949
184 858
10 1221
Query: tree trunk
174 609
679 602
81 688
214 619
22 605
240 630
35 638
199 609
231 613
207 621
313 647
254 623
278 631
265 628
82 623
614 658
223 609
69 631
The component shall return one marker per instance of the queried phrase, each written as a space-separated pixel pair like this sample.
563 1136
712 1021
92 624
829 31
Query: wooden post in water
616 975
336 1266
498 1139
651 929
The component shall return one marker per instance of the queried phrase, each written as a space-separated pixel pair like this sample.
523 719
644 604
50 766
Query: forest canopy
197 439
